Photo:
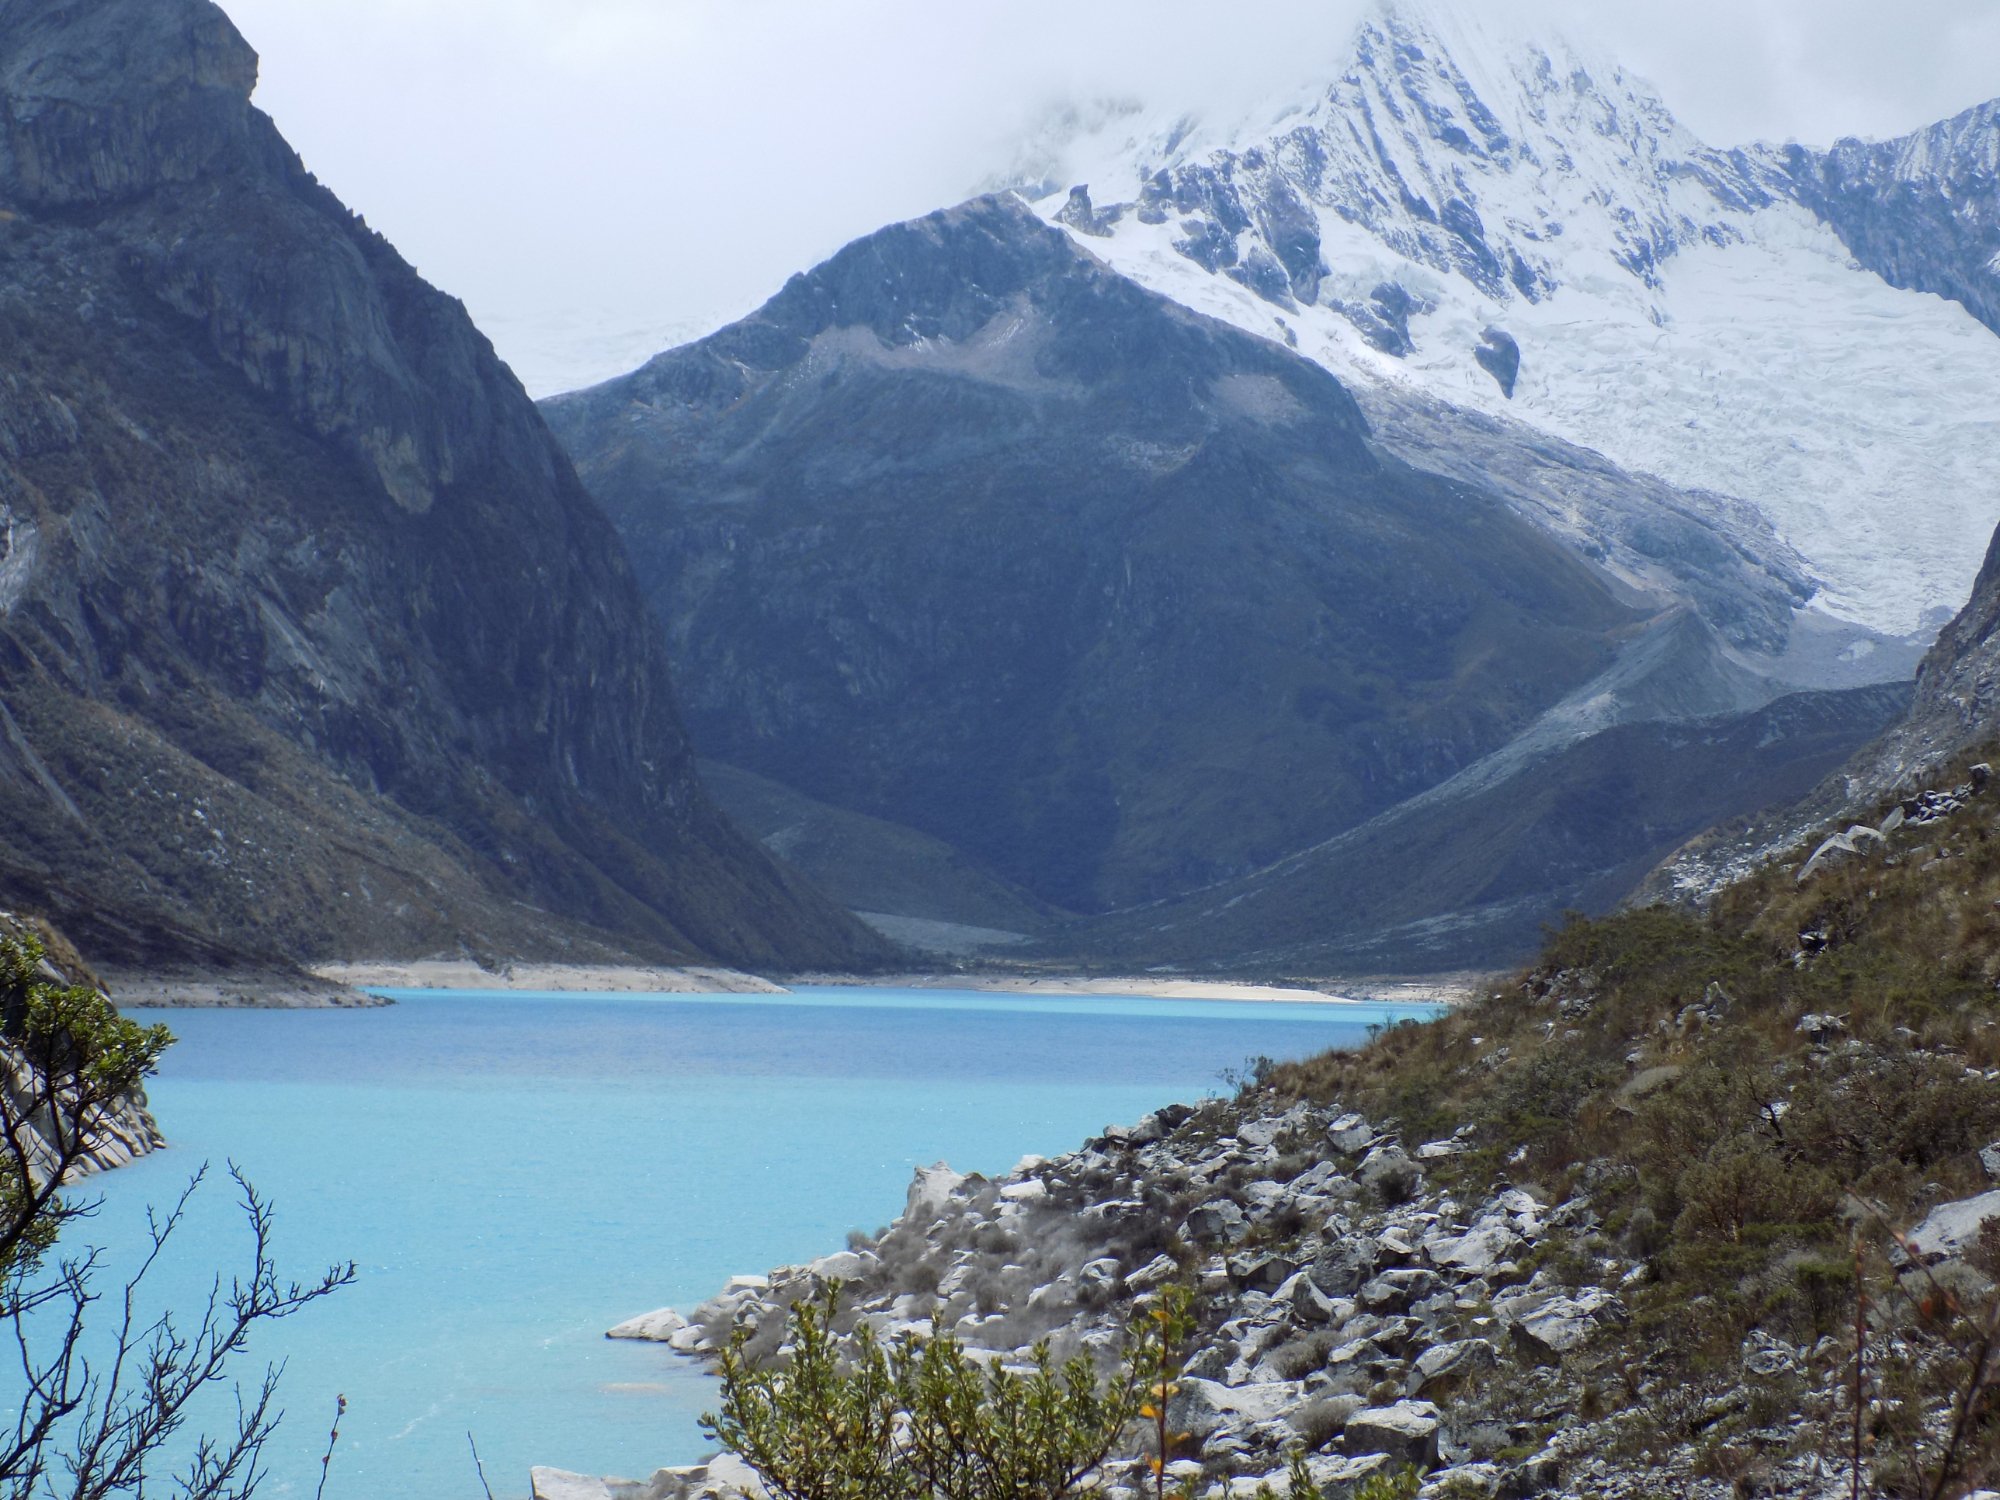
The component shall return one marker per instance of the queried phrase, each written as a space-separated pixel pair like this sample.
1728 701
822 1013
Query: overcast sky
599 179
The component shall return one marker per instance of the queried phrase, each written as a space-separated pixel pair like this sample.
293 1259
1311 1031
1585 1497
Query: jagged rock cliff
310 640
1921 211
1508 221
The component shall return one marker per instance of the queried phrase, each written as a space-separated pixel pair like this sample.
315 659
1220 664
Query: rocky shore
1347 1304
1703 1204
123 1134
275 989
1354 1303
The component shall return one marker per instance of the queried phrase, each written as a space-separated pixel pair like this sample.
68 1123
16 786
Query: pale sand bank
277 990
348 984
620 979
1441 989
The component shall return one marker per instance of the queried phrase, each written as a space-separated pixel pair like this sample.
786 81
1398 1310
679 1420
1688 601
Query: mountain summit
1510 225
1343 538
969 535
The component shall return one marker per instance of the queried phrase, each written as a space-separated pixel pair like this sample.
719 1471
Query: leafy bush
848 1419
1739 1186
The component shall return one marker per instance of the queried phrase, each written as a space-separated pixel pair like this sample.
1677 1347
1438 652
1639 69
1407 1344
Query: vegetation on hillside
1761 1100
845 1417
1723 1126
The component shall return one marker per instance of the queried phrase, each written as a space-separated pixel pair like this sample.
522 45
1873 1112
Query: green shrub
845 1418
1741 1185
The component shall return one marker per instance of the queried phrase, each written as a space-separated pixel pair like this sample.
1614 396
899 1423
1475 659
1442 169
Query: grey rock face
1444 1364
1344 1265
1350 1134
1406 1431
1217 1222
311 641
1389 1172
1079 215
1384 318
1550 1324
1951 1228
1921 211
112 1137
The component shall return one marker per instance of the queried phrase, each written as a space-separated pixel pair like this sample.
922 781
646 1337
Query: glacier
1463 186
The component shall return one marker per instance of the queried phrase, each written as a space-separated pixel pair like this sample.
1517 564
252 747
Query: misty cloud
601 178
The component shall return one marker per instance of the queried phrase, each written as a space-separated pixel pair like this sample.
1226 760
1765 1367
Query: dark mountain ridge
966 532
1922 211
310 641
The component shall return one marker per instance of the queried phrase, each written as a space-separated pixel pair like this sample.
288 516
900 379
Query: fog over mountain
601 179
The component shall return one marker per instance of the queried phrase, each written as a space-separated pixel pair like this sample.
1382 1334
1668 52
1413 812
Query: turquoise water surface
514 1173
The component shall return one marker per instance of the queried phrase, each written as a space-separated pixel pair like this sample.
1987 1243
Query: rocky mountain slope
967 533
1695 1205
310 641
964 531
1921 211
1956 705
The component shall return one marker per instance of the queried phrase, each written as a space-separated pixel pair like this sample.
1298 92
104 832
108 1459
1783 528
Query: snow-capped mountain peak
1507 221
1476 151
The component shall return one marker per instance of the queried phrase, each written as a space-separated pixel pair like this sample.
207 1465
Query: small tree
107 1390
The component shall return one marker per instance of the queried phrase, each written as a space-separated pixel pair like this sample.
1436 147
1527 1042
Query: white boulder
659 1326
1951 1228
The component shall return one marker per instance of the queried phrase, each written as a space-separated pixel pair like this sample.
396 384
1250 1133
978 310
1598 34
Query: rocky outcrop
115 1136
1368 1322
1955 709
1921 211
310 640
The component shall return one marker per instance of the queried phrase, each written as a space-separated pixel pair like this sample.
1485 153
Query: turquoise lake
514 1173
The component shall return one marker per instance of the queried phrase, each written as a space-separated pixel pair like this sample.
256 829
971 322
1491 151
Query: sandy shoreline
1442 989
344 985
618 979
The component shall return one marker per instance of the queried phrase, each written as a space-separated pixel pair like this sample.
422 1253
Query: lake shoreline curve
357 984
